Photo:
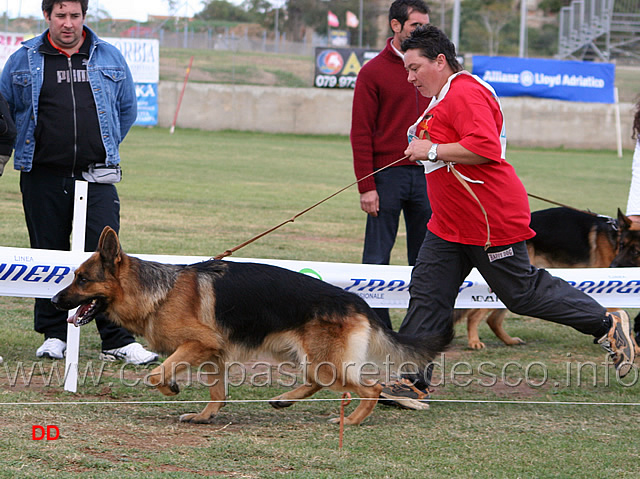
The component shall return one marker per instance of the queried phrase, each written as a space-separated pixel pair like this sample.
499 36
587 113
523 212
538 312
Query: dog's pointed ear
623 220
109 246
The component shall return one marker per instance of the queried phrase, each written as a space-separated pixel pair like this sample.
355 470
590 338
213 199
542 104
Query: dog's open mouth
84 314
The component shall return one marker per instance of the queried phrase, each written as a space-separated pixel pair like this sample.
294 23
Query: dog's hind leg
495 320
287 399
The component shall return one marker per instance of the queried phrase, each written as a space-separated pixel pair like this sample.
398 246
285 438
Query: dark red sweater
385 105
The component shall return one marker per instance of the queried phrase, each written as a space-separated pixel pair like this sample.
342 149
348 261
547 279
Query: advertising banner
561 80
339 67
9 43
147 95
143 58
37 273
339 38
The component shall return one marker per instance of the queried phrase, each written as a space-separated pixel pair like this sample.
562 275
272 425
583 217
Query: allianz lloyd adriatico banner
36 273
561 80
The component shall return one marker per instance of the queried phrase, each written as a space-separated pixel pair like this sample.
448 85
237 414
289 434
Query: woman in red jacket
480 215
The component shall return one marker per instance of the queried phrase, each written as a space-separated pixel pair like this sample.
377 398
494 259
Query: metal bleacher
600 29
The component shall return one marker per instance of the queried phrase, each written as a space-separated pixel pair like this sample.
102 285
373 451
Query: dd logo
50 433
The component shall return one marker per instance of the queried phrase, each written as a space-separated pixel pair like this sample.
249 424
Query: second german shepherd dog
565 238
216 311
629 255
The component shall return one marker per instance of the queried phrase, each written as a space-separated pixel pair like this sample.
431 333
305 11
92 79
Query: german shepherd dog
565 238
629 255
208 313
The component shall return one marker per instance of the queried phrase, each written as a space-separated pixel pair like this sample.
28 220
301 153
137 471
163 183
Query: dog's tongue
78 314
73 319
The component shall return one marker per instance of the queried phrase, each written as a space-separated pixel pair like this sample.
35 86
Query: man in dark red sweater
384 104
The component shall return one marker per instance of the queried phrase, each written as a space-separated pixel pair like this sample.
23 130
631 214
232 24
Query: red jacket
457 217
385 104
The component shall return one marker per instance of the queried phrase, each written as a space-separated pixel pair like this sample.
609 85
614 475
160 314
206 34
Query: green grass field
545 409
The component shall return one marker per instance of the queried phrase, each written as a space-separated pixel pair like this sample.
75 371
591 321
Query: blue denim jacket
109 77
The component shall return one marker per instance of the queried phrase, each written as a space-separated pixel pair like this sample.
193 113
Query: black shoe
403 394
619 342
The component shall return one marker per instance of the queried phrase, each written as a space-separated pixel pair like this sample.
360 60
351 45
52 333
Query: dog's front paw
515 342
194 418
278 404
476 345
347 421
170 389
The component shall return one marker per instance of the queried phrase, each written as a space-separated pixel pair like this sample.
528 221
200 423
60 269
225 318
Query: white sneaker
52 348
133 353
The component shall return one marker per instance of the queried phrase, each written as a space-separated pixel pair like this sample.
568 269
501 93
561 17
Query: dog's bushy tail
414 352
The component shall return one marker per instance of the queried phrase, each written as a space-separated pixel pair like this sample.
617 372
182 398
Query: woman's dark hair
431 41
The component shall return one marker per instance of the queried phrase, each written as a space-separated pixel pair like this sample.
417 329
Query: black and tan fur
565 238
629 255
217 311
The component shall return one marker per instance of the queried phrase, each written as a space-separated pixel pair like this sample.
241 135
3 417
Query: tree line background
486 26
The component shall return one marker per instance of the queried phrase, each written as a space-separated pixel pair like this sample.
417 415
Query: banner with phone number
339 67
37 273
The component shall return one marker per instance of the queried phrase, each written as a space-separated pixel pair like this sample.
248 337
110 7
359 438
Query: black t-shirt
68 137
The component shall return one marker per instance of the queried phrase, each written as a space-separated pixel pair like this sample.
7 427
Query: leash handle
487 244
230 251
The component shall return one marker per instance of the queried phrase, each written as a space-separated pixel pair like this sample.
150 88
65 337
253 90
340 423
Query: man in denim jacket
73 100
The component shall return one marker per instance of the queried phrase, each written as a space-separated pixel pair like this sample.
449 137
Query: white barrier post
618 123
77 244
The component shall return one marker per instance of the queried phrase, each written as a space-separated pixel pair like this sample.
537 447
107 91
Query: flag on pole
332 19
352 20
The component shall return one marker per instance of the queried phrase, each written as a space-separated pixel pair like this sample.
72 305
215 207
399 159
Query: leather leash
488 243
451 168
564 206
230 251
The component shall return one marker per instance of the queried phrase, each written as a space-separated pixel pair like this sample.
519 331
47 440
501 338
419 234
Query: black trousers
442 266
401 189
48 207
